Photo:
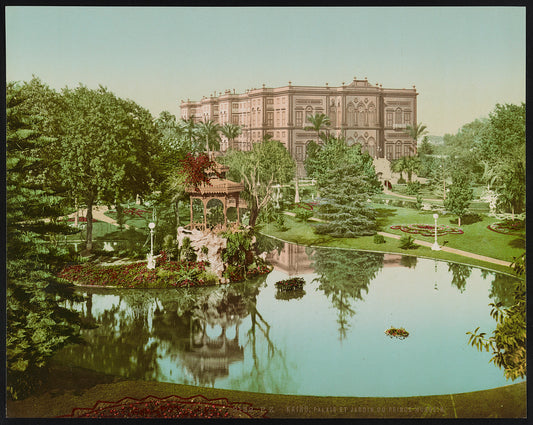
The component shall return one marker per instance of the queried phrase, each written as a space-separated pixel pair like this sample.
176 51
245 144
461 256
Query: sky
463 60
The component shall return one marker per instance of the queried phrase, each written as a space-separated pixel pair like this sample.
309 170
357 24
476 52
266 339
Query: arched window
398 153
351 115
398 116
372 114
371 147
389 153
333 115
308 113
359 117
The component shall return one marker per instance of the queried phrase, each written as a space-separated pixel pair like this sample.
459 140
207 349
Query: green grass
476 239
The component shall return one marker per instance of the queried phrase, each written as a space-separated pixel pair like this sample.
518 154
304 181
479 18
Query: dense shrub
413 188
407 242
379 239
280 222
303 214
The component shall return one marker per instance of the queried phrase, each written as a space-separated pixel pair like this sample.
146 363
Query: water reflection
248 337
343 276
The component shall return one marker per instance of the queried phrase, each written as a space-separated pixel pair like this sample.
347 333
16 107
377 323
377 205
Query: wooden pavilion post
225 212
191 224
237 205
205 212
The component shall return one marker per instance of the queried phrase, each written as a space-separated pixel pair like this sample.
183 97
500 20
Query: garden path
453 250
99 214
412 198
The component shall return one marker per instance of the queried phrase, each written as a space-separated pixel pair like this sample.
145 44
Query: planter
399 333
296 283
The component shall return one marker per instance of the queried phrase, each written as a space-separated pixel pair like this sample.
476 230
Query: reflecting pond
327 339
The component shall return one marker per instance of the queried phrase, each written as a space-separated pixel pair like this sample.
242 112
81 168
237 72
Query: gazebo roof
216 187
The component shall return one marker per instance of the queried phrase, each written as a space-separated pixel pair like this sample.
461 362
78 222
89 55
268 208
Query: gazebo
220 188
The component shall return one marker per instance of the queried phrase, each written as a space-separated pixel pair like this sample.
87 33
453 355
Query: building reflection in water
292 260
208 358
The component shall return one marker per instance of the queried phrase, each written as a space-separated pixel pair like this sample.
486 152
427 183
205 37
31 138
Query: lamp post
435 246
151 262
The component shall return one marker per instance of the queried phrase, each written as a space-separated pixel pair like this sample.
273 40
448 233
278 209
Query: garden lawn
476 239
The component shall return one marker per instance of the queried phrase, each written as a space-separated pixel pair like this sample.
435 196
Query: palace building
371 115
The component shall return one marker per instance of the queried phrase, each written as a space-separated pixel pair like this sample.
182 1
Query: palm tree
318 121
190 131
399 166
209 131
416 131
231 131
411 165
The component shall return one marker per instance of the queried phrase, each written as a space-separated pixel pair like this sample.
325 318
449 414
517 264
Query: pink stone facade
371 115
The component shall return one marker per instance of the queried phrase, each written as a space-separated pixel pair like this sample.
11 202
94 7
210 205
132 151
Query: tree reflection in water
151 334
461 273
342 276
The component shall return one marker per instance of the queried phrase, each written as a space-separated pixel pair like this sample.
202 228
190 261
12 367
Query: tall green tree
231 131
425 148
343 205
208 131
267 164
412 166
37 323
107 148
399 165
318 122
346 178
417 131
508 340
463 147
503 149
191 133
460 195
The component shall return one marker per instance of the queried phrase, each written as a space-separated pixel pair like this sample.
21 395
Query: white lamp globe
151 225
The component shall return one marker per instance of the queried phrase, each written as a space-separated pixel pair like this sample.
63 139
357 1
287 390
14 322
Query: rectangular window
299 118
299 153
235 119
389 119
389 152
407 117
270 101
270 119
406 150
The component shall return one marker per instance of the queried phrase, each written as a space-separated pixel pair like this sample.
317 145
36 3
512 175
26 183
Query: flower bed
135 211
136 275
264 269
428 229
399 333
508 227
290 284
